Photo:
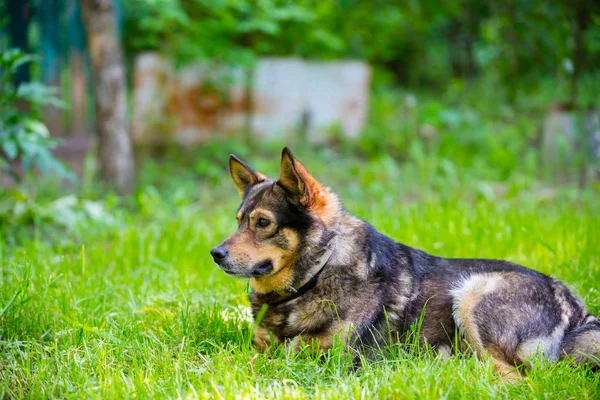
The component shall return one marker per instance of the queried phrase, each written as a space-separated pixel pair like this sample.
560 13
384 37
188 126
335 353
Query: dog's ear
297 181
243 176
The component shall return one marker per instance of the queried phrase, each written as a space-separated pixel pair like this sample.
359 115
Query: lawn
131 305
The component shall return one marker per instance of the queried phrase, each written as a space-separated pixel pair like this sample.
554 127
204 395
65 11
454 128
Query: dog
317 271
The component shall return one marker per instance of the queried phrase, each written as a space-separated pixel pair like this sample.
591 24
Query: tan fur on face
262 213
246 249
282 275
276 282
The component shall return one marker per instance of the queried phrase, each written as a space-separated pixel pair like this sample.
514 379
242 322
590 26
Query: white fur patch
547 345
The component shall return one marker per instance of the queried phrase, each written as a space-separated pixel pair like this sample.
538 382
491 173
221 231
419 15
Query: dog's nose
218 253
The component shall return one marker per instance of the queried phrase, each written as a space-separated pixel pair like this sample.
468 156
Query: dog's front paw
312 343
263 339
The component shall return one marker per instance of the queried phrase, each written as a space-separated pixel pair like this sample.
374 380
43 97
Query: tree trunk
249 104
580 25
114 142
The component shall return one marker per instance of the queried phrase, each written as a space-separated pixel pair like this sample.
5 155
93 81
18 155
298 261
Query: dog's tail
582 344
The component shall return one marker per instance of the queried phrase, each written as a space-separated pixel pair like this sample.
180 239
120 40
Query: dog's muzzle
221 257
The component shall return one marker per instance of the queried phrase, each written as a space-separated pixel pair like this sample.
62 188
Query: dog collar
290 293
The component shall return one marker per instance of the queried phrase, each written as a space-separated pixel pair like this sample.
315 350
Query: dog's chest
285 321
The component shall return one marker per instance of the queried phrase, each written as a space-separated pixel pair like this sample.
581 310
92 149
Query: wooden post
104 46
79 104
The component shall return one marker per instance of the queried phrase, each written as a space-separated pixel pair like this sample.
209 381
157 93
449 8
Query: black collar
274 298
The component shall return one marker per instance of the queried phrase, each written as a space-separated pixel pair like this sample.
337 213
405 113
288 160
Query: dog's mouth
261 269
235 274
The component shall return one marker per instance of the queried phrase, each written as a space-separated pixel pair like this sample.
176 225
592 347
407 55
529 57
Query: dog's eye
263 222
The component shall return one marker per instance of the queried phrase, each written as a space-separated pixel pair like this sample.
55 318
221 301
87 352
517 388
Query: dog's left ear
297 181
243 176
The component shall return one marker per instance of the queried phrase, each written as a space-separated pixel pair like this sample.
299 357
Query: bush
23 137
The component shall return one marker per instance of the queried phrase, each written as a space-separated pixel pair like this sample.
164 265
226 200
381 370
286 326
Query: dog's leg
469 328
503 367
263 339
466 298
323 341
511 317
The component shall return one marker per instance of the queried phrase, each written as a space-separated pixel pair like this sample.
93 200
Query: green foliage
486 140
231 32
26 213
512 43
23 137
431 143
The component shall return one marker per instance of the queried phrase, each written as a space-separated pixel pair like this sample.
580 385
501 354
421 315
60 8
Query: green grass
136 308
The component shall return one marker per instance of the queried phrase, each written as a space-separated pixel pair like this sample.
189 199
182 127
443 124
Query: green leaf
37 128
12 59
259 25
10 149
39 94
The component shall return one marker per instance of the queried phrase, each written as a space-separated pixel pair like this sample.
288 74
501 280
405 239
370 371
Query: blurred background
136 104
466 128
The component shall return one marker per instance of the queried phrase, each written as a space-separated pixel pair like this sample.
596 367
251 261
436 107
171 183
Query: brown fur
508 372
262 339
273 283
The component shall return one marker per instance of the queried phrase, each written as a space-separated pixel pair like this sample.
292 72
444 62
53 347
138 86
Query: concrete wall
289 95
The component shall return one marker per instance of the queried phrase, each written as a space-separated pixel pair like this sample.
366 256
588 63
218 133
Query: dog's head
280 225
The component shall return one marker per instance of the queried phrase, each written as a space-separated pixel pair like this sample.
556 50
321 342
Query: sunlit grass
137 308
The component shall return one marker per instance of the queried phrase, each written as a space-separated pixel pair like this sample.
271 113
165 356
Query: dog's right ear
298 182
243 176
